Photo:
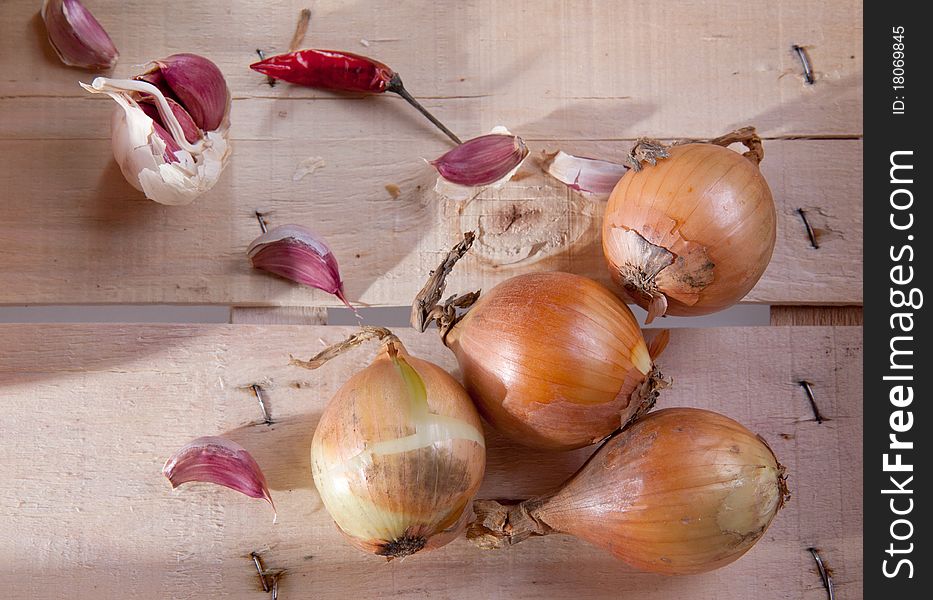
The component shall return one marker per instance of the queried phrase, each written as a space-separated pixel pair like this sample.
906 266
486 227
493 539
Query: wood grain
580 69
96 241
93 411
584 76
817 315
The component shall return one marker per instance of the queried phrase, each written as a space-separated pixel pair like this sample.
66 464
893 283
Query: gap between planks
278 315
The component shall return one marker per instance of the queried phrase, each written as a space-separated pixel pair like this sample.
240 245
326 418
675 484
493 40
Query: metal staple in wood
262 56
262 221
257 561
810 232
824 573
266 417
805 61
806 385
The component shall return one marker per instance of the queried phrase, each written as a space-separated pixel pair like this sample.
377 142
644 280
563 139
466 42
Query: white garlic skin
139 152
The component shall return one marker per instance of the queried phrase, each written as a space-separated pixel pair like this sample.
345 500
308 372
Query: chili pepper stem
395 85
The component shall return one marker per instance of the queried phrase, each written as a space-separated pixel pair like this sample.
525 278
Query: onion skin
707 211
552 359
681 491
397 475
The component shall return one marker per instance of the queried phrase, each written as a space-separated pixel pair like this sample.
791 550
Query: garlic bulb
155 122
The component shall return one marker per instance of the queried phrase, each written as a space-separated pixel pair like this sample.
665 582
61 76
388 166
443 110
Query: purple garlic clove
171 146
77 37
296 253
481 161
196 83
192 133
219 461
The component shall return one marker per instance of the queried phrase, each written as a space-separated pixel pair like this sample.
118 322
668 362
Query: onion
552 360
398 454
692 233
680 491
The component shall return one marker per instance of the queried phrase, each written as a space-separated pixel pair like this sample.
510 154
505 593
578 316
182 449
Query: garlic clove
296 253
483 160
77 37
171 147
191 130
219 461
588 175
196 83
457 189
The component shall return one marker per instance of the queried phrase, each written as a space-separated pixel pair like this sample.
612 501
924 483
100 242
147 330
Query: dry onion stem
398 453
692 229
680 491
365 334
553 360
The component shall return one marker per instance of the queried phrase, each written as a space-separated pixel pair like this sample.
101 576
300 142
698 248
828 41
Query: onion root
503 523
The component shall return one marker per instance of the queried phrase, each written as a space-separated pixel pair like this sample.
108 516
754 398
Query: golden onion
693 233
398 455
680 491
554 360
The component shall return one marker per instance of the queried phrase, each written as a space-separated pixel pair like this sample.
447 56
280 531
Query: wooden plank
95 410
816 315
83 235
578 69
581 75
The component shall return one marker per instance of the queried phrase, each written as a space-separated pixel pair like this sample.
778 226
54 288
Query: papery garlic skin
77 37
140 151
483 160
587 175
398 455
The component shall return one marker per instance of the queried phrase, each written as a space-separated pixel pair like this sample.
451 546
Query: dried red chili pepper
341 71
327 69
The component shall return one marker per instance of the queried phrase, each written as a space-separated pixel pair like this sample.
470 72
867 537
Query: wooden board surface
588 77
93 411
815 315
